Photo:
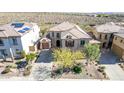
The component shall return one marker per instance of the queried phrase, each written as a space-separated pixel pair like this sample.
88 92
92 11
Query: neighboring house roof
94 41
120 35
109 28
12 30
67 28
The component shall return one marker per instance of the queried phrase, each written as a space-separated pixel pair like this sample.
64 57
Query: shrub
30 57
77 69
12 66
101 69
59 71
78 55
6 70
23 54
29 67
26 72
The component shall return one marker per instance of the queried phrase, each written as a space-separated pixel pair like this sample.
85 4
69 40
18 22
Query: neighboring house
105 33
118 45
16 37
67 35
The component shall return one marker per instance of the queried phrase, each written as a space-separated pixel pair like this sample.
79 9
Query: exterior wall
117 46
76 44
103 40
17 47
29 39
8 46
54 39
23 43
5 47
76 41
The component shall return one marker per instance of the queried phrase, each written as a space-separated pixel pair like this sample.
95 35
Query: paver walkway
114 72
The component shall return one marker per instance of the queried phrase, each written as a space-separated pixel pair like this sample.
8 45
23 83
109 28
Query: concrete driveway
114 72
108 57
45 56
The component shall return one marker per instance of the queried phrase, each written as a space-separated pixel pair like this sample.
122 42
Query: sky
62 5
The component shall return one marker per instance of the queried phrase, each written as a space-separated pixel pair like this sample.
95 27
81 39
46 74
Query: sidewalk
114 72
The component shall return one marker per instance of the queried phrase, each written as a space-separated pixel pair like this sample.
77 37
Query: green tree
66 58
92 52
63 57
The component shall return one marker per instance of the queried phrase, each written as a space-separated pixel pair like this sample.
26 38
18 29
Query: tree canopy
92 52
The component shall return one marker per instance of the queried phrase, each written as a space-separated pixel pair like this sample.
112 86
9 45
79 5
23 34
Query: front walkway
114 72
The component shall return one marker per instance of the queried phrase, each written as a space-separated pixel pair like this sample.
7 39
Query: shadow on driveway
45 57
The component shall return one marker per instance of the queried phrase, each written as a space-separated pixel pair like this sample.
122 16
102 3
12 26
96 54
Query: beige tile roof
79 34
70 28
62 27
9 31
73 29
120 35
109 28
6 31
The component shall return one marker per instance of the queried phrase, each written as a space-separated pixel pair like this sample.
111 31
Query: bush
77 69
101 69
26 72
6 70
23 54
12 66
78 55
29 67
30 57
59 71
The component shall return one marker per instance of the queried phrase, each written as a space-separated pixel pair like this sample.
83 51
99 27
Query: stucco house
67 35
105 33
118 45
16 37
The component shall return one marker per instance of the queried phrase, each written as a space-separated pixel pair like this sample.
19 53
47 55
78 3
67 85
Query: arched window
69 41
105 36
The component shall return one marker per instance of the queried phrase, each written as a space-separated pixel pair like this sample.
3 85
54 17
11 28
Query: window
82 42
100 36
3 52
14 41
48 35
121 41
58 35
115 38
52 34
17 50
106 37
69 43
1 42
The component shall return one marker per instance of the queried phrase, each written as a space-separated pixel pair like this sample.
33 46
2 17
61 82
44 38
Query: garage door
45 45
